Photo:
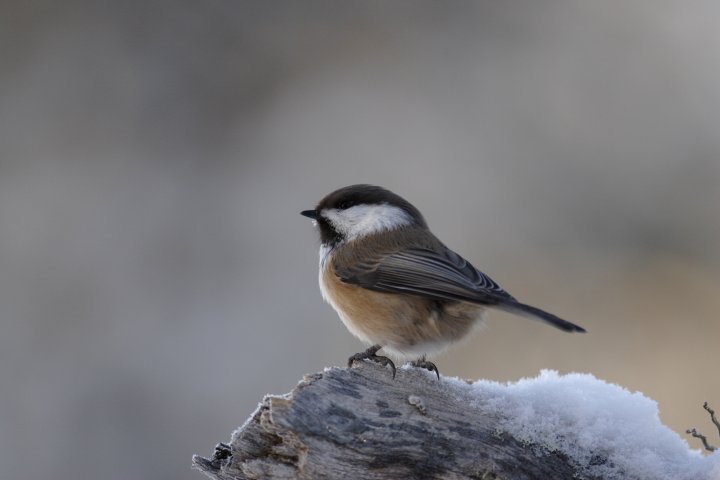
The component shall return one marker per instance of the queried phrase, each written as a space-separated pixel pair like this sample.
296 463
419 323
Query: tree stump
360 423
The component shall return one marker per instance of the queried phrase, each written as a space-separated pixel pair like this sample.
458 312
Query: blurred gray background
155 276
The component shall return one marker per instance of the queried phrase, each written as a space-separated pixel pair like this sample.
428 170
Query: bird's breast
408 325
368 315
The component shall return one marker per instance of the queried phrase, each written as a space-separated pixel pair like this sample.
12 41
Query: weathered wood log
362 423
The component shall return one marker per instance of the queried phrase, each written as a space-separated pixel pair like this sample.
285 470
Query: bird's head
360 210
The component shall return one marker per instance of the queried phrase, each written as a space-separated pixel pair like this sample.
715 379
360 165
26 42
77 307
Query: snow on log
360 423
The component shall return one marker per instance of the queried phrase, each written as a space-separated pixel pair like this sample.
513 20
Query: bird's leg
422 363
371 354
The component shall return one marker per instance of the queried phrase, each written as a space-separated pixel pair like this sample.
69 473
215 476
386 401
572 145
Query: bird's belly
405 325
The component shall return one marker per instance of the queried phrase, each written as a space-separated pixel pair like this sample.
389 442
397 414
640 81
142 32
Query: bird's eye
345 205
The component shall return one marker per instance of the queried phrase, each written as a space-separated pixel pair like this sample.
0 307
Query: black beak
310 214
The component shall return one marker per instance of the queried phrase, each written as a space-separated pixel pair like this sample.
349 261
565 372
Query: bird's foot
422 363
371 354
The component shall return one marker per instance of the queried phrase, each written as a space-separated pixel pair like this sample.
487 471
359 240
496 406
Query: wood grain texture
360 423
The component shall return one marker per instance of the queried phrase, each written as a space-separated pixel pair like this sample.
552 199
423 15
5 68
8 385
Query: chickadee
395 285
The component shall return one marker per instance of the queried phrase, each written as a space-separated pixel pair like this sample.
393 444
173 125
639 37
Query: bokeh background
155 276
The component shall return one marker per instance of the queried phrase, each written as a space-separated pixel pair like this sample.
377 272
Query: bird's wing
434 273
440 274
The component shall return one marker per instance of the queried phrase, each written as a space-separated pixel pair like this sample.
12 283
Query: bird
395 285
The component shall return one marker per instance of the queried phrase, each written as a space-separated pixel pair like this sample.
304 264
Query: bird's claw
422 363
371 354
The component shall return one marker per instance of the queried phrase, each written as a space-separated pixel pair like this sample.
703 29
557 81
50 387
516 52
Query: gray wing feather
440 275
443 275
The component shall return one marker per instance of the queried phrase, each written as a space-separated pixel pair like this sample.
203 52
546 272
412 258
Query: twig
702 438
712 416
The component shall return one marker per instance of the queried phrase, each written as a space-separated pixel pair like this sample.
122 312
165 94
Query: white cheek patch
362 220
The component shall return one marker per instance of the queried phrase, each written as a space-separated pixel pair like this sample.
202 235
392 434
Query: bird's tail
530 311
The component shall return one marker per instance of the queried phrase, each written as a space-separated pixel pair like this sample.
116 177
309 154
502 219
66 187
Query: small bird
395 285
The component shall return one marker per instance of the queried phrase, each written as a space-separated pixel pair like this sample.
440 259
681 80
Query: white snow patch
589 420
